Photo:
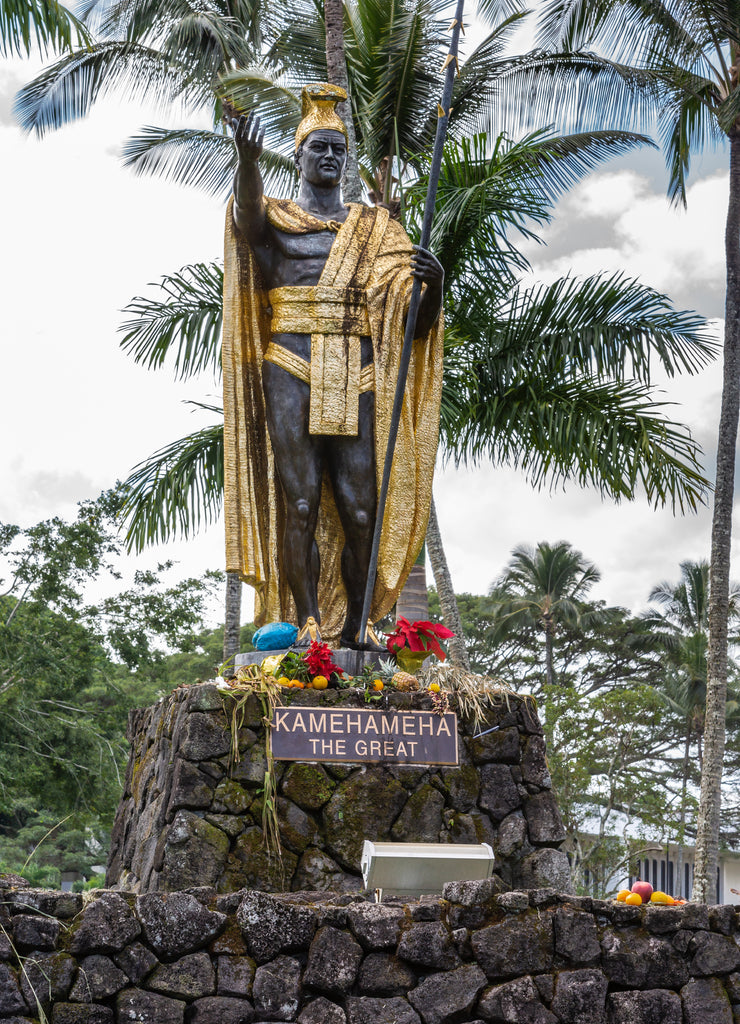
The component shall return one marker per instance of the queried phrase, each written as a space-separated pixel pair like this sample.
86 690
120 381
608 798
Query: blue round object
274 636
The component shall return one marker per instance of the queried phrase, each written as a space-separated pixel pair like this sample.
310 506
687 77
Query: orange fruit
622 895
377 684
634 899
297 684
320 682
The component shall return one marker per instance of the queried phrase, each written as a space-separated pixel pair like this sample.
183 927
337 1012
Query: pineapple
404 681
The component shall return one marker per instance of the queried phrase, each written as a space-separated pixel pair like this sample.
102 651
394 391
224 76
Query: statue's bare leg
298 461
351 462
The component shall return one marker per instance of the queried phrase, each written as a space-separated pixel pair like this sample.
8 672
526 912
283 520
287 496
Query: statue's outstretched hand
249 137
426 266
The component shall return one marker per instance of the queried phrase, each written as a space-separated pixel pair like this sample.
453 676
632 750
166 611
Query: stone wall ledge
470 954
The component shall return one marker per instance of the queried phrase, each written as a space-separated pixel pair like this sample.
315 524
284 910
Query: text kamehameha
358 735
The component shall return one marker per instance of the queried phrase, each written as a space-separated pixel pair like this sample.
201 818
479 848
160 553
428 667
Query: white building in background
659 866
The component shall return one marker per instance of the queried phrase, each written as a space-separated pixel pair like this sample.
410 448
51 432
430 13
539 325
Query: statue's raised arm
249 208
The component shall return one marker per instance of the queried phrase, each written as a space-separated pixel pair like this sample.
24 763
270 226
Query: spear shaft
450 68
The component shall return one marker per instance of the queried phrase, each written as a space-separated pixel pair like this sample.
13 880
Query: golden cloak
253 500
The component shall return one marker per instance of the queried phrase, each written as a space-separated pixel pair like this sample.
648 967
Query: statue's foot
369 646
306 635
372 643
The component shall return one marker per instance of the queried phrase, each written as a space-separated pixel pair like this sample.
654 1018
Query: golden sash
334 313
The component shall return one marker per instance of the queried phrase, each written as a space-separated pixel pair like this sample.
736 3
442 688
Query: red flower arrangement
418 636
319 661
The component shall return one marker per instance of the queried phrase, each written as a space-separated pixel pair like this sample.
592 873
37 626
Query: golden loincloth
336 318
299 367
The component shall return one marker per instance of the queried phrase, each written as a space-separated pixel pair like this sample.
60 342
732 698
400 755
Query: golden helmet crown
319 101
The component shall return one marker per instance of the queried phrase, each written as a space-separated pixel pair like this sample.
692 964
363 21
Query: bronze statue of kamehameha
315 296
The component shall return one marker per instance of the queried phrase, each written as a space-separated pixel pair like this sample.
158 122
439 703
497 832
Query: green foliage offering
249 683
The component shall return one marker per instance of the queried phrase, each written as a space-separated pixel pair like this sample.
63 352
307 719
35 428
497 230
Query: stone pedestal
184 821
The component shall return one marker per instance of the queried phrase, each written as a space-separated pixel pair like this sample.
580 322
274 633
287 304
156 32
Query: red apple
643 889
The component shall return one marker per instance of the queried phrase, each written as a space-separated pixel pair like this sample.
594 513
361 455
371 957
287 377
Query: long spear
449 68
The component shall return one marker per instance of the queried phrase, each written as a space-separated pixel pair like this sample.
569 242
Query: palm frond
478 201
298 50
68 89
606 325
185 325
571 90
626 29
493 11
202 159
686 123
45 24
197 157
276 100
393 91
477 89
177 490
555 163
611 436
206 43
487 190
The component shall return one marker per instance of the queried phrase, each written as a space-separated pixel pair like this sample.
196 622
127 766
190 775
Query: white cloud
679 252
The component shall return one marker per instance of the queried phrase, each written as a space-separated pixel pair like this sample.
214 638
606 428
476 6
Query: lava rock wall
185 820
474 956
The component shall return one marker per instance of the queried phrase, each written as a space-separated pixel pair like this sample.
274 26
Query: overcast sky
82 236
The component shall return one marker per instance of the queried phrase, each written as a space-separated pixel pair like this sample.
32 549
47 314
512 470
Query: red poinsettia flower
319 660
418 636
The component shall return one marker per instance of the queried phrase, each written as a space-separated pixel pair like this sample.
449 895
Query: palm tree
542 588
681 626
685 53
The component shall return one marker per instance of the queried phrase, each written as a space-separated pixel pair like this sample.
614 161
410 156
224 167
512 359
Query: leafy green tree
40 847
611 741
685 56
66 682
680 624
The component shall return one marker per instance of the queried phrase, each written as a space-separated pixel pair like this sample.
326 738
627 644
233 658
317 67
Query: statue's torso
294 259
298 260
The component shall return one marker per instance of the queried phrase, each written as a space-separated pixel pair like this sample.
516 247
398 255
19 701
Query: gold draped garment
379 251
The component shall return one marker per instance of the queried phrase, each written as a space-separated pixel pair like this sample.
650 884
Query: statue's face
322 157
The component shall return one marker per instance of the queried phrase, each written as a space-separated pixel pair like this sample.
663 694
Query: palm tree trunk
682 823
413 601
447 603
549 654
336 69
707 828
233 619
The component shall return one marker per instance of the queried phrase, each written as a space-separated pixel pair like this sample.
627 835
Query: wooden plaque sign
364 734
